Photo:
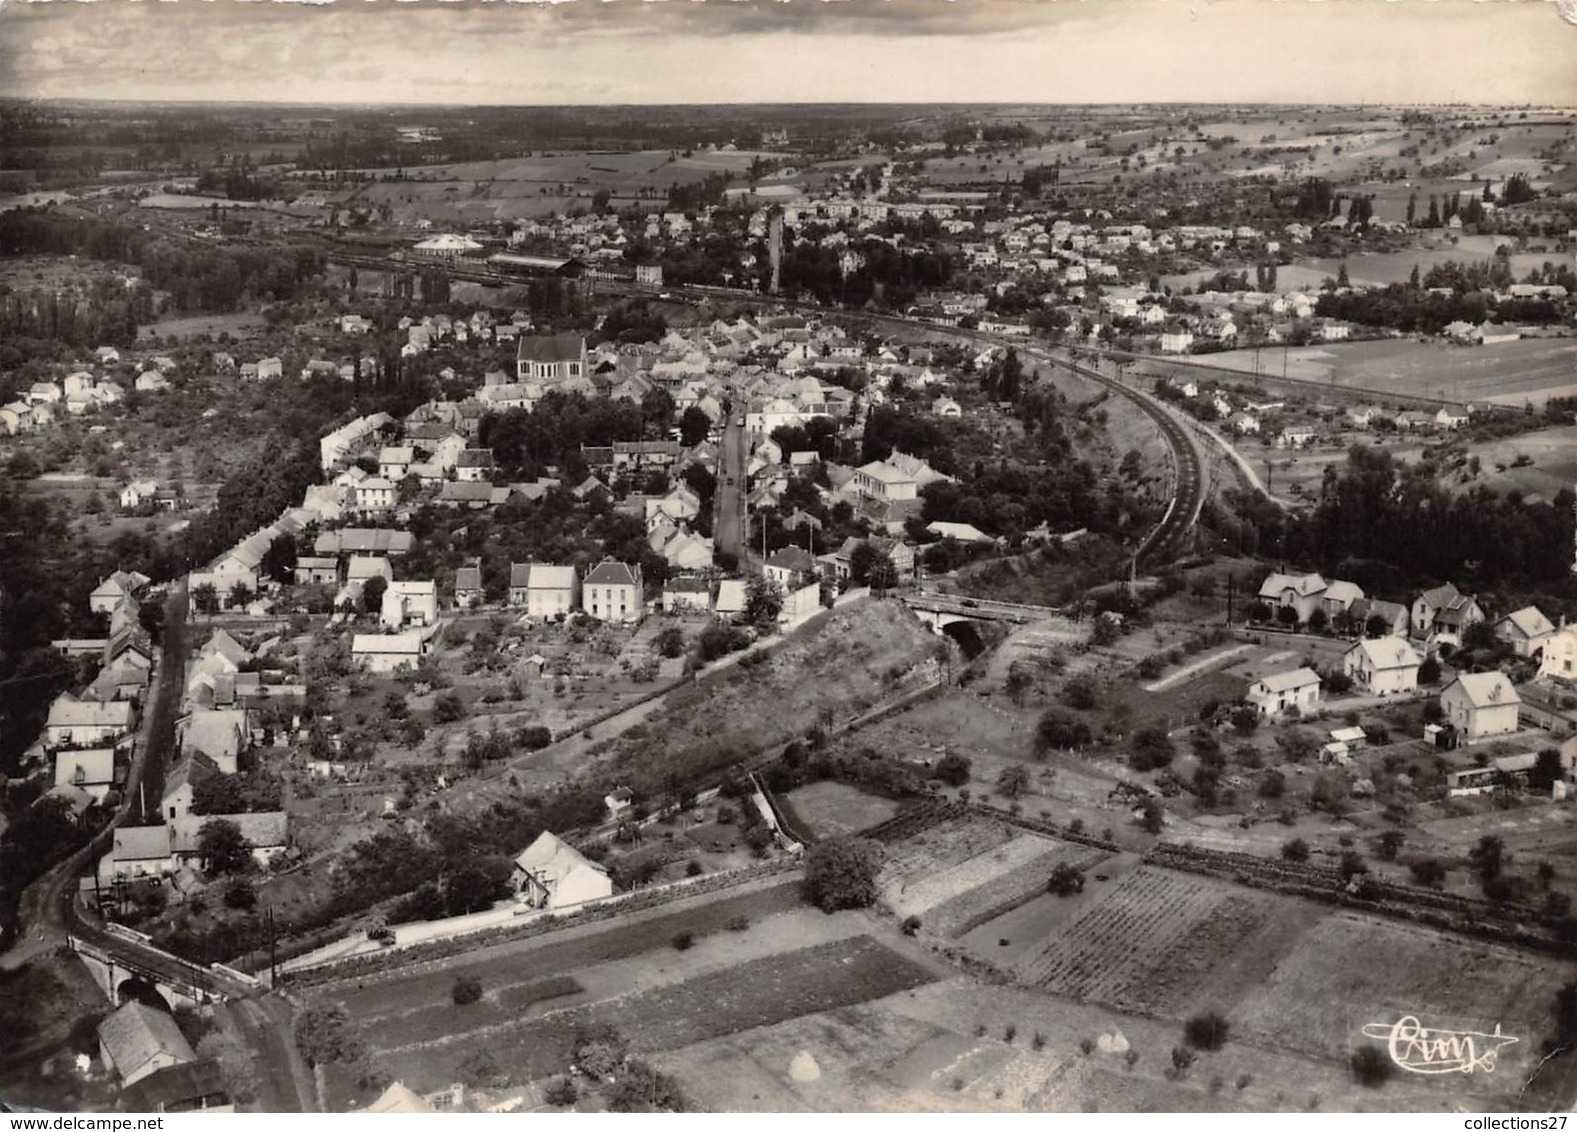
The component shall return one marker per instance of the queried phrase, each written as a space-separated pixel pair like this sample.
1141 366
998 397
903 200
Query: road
263 1027
730 530
47 913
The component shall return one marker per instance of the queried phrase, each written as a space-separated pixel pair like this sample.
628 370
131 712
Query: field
832 809
1553 452
1509 373
243 325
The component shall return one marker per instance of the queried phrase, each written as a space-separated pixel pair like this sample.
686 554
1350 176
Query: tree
1296 850
222 848
1013 781
670 642
1058 732
694 426
1371 1068
1152 749
1428 872
1389 844
240 895
1066 880
218 794
240 595
1546 770
448 708
205 598
1206 1031
953 769
1152 819
763 602
279 560
372 595
324 1035
466 990
1488 858
841 873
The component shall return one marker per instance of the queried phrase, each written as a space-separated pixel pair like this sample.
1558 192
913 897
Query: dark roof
475 458
688 584
596 456
177 1088
793 558
551 348
468 578
612 573
647 447
519 575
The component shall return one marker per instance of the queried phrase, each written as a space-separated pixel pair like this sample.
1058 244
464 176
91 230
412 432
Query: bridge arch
135 988
964 633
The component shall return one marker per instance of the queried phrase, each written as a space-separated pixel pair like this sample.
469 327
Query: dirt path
1189 671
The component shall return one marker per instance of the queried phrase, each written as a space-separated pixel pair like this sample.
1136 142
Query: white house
1525 630
613 592
409 603
91 771
545 590
1559 659
1481 704
551 873
388 652
1382 666
1301 592
138 1040
86 723
1284 691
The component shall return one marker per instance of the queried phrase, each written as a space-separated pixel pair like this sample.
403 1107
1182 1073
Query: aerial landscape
784 589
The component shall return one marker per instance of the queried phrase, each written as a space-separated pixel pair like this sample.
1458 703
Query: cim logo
1417 1049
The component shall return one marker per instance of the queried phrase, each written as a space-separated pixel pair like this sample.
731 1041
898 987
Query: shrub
1370 1067
1010 1033
1296 850
1059 732
1038 1041
466 990
1429 872
1182 1058
1065 880
561 1092
448 708
693 869
911 925
684 941
1206 1031
1152 749
952 769
1081 693
1086 1046
738 924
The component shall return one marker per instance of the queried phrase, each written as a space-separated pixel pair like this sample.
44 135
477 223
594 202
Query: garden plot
967 911
939 848
920 895
1147 945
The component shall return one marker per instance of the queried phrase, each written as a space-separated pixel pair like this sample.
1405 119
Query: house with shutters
612 591
1382 666
550 358
1481 705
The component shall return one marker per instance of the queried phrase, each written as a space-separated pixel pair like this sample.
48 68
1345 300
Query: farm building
1285 691
1481 704
551 873
1382 666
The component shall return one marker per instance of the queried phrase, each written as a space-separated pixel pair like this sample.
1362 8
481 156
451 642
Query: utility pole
1231 593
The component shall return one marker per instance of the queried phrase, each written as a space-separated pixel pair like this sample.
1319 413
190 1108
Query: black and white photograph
788 556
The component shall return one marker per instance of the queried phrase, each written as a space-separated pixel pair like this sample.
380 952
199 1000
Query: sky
517 52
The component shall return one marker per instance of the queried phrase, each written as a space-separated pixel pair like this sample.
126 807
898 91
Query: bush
1428 872
1057 732
1065 881
1206 1031
1296 850
1182 1058
1081 693
466 990
1152 749
561 1092
693 869
952 769
911 925
1429 671
684 941
738 924
1370 1067
841 873
448 708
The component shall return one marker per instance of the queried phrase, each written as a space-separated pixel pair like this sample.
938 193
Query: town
917 608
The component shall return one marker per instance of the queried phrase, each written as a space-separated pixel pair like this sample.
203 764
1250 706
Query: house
137 851
394 463
619 803
1339 597
731 597
1301 592
116 588
197 1086
879 480
1286 691
136 493
546 591
267 832
221 734
138 1040
86 724
612 592
474 465
468 587
1525 630
1382 666
409 603
959 532
551 873
180 785
314 571
91 771
389 652
1295 436
1559 658
787 568
1481 704
399 1098
550 358
1377 618
687 594
363 540
376 494
1444 609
